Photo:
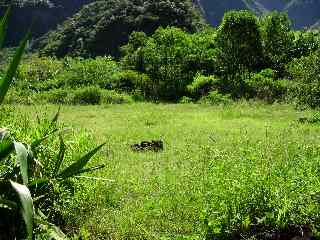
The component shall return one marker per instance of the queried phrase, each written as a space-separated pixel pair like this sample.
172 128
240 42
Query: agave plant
24 185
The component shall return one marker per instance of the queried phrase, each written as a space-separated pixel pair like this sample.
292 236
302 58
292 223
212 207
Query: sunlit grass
230 167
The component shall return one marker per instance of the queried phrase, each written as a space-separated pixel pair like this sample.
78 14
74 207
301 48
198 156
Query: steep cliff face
45 17
304 13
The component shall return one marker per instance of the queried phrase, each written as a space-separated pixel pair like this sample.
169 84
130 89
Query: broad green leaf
60 157
3 26
22 158
77 166
8 78
27 206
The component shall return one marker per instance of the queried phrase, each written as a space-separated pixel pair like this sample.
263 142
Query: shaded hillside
45 17
102 27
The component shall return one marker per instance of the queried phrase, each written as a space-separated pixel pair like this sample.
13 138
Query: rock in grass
153 145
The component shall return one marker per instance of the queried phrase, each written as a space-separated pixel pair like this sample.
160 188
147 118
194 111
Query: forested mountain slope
304 13
103 26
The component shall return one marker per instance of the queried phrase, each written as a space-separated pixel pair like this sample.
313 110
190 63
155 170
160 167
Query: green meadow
223 170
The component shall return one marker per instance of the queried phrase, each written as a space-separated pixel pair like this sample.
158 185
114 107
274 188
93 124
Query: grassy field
223 170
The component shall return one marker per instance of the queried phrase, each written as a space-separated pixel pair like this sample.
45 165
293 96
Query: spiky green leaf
78 165
8 78
3 27
60 156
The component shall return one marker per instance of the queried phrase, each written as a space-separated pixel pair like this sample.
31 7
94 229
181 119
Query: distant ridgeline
46 14
304 13
49 13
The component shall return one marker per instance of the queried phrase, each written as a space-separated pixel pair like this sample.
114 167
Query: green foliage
8 76
278 40
305 43
202 85
87 72
103 32
87 95
216 98
170 58
265 86
129 81
23 179
39 73
304 72
185 100
113 97
239 43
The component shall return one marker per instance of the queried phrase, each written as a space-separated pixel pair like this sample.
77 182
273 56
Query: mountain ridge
304 13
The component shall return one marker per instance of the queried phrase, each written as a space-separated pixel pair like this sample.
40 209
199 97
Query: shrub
304 75
130 80
263 86
185 100
170 58
87 95
202 85
216 98
80 72
113 97
38 73
306 95
56 96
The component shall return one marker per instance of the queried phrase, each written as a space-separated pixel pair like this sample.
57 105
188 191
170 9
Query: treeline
245 57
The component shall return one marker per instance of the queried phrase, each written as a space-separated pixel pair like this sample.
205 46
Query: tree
278 40
239 48
171 58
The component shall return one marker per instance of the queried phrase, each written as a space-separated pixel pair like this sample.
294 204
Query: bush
304 75
113 97
202 85
88 95
130 80
38 73
170 58
80 72
185 100
45 73
216 98
263 86
306 95
56 96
